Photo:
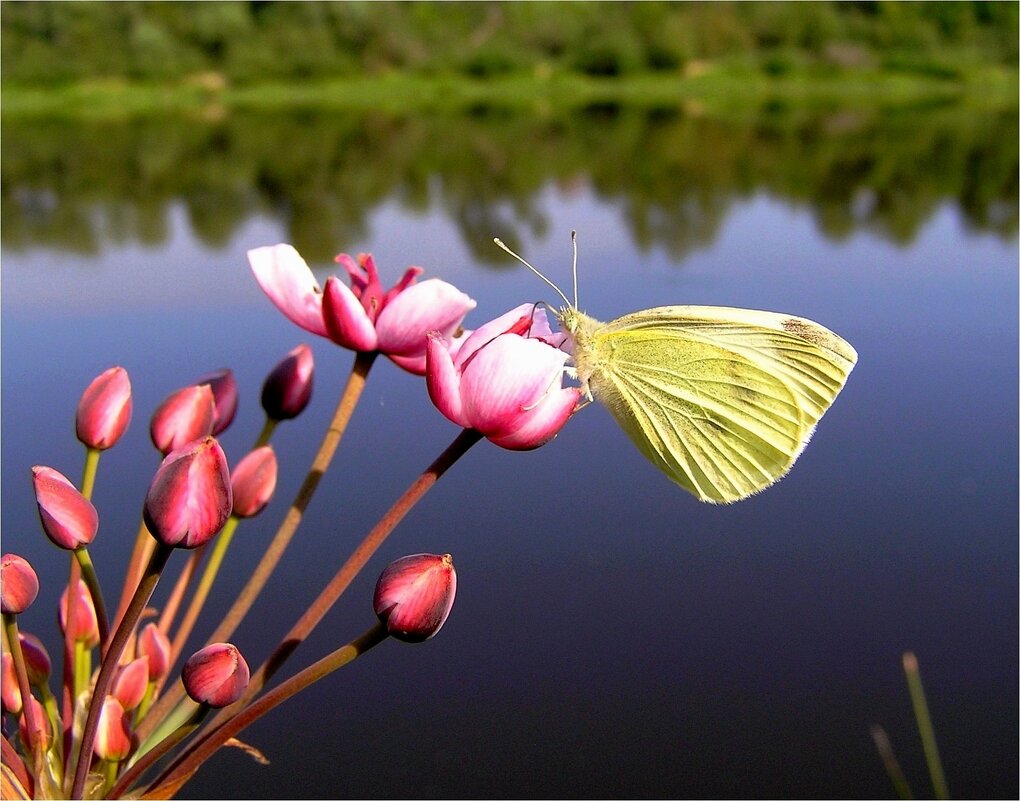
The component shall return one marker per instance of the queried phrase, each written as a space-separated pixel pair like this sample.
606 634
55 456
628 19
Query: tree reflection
673 171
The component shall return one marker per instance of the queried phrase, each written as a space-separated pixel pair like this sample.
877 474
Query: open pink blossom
362 316
505 380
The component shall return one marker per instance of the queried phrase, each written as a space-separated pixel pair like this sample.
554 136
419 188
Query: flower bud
252 481
37 661
40 716
84 623
189 499
224 389
131 683
104 410
414 595
184 416
217 675
153 643
113 735
10 690
68 517
18 584
288 388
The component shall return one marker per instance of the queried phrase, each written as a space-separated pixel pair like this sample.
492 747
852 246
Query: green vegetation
106 58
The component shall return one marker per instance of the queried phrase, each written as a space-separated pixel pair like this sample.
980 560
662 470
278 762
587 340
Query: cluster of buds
502 381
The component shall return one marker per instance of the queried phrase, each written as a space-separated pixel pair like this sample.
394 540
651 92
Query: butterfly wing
721 400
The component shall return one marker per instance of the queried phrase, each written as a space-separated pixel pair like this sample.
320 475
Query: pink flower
154 645
288 387
505 380
113 737
68 517
104 410
84 620
253 481
362 316
37 661
224 389
189 499
185 415
10 690
414 595
41 719
217 675
19 585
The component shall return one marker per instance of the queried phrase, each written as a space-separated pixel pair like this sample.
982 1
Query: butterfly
722 400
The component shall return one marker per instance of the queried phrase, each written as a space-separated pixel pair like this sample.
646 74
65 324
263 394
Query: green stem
88 479
148 757
220 545
924 726
146 586
273 553
185 712
892 765
82 667
209 743
267 431
88 575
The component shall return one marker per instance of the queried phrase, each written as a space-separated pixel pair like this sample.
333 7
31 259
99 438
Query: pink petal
285 277
486 333
505 380
432 305
543 422
346 322
443 381
413 364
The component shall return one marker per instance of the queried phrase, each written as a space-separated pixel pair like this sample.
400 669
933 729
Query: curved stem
341 416
209 743
146 586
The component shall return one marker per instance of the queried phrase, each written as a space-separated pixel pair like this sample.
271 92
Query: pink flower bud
131 683
186 415
40 716
288 388
37 661
18 584
505 380
224 389
253 481
217 675
68 517
414 595
85 624
10 691
189 499
104 410
113 736
154 645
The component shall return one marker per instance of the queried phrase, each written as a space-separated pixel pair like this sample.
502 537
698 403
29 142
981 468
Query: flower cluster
123 705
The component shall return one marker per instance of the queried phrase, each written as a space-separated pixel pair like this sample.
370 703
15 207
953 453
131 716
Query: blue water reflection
611 636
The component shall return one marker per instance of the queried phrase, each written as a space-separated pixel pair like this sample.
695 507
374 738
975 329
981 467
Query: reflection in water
674 172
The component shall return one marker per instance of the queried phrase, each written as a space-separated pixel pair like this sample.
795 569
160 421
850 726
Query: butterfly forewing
721 400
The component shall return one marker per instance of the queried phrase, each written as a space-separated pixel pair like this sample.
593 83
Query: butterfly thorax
580 330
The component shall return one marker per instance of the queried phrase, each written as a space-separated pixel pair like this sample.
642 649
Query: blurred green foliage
673 171
49 43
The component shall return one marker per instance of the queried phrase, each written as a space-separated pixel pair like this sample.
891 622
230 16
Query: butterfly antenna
535 270
573 244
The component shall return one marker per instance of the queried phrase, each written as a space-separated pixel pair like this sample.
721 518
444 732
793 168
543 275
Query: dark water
611 636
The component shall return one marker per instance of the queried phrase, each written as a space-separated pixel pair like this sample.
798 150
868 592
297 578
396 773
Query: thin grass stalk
924 726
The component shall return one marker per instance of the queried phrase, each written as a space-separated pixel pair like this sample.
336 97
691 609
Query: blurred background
854 163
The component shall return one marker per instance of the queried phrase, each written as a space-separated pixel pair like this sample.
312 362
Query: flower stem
221 543
341 416
186 766
88 575
88 479
267 431
889 761
924 726
140 554
146 586
355 562
27 708
155 749
173 603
